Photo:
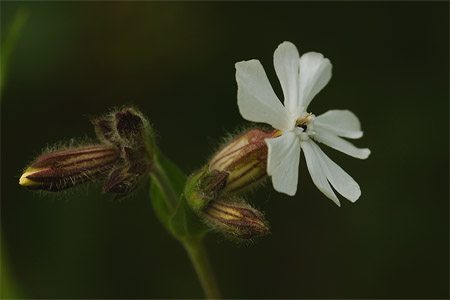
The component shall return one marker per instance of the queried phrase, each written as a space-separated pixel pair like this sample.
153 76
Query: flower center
304 125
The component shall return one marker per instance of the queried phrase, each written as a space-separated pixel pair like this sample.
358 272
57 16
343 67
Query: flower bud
124 180
203 186
244 159
105 131
59 170
126 128
130 126
237 220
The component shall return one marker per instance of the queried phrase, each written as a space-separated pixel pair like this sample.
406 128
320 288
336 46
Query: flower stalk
193 245
199 258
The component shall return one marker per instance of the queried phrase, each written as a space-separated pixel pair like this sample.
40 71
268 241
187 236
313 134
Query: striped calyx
211 191
244 159
235 219
125 156
59 170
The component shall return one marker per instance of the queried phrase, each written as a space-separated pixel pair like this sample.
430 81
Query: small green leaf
159 204
181 220
177 180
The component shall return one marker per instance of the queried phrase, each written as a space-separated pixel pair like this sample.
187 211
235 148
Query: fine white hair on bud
125 153
235 219
235 168
244 159
123 127
59 170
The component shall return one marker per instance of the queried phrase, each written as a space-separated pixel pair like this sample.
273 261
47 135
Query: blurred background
175 61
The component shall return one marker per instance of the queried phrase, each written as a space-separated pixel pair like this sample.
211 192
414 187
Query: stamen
304 121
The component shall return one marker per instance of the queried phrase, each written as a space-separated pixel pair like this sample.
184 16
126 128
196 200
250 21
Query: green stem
194 246
197 254
160 177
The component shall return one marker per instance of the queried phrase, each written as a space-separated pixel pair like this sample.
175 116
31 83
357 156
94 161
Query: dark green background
175 61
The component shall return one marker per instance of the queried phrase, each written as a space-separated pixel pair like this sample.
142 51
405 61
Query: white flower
301 79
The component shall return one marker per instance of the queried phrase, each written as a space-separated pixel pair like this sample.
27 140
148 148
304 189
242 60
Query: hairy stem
194 246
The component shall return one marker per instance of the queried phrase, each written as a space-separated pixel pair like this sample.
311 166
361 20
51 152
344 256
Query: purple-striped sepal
244 159
235 219
60 170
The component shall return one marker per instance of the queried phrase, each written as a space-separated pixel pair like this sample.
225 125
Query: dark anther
303 126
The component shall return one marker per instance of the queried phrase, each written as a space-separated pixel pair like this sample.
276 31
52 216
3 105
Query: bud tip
24 181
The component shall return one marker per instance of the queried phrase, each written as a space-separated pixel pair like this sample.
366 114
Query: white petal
318 174
335 142
286 62
283 161
340 122
315 72
339 179
256 99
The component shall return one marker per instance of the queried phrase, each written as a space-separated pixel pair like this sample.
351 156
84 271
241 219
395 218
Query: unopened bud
130 126
124 180
104 128
126 128
203 186
237 220
244 159
59 170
